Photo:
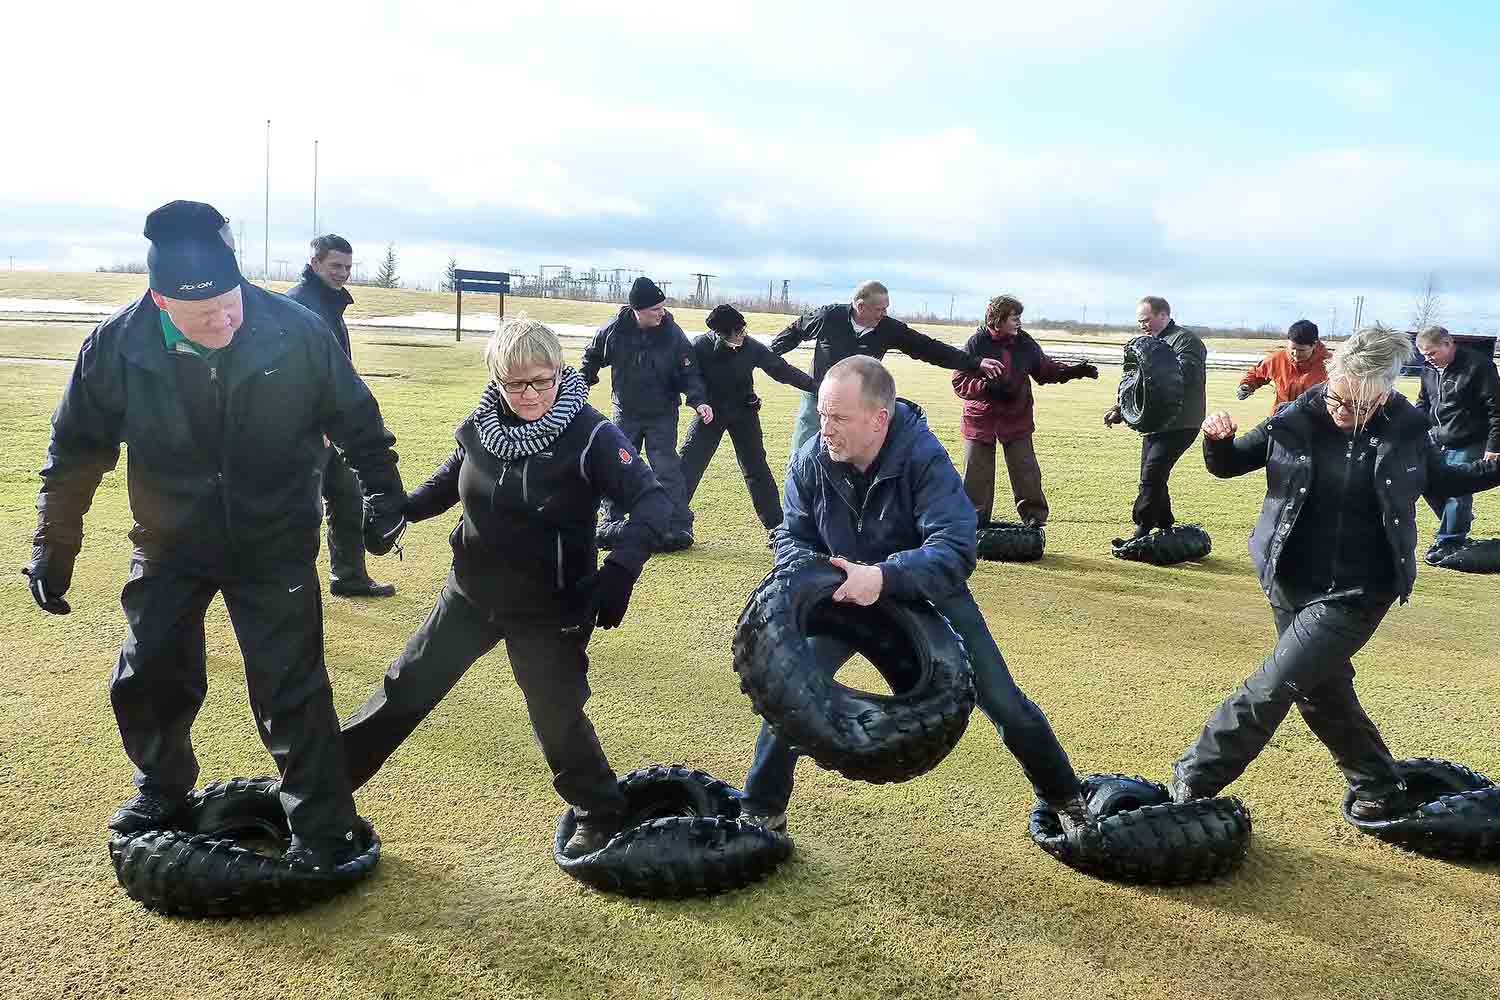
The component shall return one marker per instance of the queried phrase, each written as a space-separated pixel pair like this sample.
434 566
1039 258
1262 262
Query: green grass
925 889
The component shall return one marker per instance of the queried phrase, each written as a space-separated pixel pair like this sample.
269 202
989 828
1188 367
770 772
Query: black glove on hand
1243 392
607 593
50 574
1084 370
384 522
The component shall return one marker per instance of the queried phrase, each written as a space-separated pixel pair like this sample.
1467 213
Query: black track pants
1159 453
344 505
749 450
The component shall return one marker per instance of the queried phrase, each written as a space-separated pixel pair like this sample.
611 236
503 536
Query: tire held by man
863 736
1151 384
1455 812
1007 541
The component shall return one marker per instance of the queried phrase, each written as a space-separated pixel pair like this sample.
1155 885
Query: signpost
497 282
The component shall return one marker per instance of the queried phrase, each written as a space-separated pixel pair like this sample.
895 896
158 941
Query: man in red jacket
999 409
1293 371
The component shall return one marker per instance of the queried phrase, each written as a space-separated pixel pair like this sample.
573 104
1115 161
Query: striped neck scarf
510 440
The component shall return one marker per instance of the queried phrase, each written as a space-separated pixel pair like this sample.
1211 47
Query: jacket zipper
213 378
559 561
1338 528
525 464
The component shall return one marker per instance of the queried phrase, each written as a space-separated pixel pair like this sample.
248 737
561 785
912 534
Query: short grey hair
876 386
1158 304
1434 335
867 290
1371 359
519 343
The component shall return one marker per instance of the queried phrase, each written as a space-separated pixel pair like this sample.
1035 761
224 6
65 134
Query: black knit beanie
644 294
192 251
725 320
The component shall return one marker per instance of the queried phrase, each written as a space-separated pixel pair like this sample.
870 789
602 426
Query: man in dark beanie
728 359
223 393
322 290
652 368
1302 365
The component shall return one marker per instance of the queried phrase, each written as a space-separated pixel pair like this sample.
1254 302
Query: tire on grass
1458 815
1476 557
681 836
1007 541
236 808
1137 834
1151 384
1178 544
863 736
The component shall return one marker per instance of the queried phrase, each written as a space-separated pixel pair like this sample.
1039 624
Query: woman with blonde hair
532 463
1335 547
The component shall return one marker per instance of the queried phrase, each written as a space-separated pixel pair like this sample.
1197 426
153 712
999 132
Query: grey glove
1243 392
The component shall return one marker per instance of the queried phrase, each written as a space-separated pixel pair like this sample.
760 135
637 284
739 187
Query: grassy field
927 889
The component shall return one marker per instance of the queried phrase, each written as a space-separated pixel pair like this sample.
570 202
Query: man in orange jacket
1295 370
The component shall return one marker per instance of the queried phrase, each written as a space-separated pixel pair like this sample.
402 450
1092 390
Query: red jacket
1291 379
1000 409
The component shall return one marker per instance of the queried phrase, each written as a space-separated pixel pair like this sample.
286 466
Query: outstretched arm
439 493
1227 456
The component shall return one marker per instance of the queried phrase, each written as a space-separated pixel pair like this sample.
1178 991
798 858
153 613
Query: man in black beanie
728 359
223 393
322 290
652 368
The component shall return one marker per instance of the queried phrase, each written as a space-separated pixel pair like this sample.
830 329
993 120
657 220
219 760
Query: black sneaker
590 835
1388 807
1180 791
772 822
327 855
361 588
678 539
1073 815
1436 553
146 811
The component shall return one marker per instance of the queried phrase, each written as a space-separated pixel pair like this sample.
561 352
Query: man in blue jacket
875 453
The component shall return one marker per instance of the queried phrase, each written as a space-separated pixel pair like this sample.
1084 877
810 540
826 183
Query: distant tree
1427 306
450 277
389 275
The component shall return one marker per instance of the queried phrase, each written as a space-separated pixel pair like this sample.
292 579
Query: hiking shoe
590 835
677 540
770 822
1073 814
327 855
146 811
1436 553
1180 791
361 588
1388 807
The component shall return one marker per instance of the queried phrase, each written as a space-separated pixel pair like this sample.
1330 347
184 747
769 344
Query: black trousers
160 680
656 437
550 666
749 450
1310 668
344 506
1159 453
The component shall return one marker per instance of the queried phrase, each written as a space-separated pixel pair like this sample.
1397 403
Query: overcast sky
1251 162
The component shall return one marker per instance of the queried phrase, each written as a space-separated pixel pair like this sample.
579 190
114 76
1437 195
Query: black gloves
607 594
1084 370
50 574
1243 392
384 522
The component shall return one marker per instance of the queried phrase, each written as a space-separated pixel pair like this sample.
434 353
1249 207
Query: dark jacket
650 370
314 293
1463 401
226 454
1192 359
1407 465
729 373
1001 409
527 533
832 331
914 520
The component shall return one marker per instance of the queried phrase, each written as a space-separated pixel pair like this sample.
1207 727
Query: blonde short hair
868 290
1371 359
519 343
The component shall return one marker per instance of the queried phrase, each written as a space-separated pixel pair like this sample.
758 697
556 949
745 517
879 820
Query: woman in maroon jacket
999 409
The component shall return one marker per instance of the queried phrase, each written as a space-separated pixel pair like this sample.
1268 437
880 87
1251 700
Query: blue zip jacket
915 521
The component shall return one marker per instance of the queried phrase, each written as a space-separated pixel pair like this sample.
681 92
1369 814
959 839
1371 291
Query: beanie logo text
194 288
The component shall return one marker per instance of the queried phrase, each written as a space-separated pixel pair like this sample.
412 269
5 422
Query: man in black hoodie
322 290
1460 397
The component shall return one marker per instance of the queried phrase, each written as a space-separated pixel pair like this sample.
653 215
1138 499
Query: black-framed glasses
1349 406
537 385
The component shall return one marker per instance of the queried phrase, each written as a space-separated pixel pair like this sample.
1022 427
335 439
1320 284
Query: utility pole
281 271
315 189
1359 311
265 266
785 284
1085 319
701 293
951 300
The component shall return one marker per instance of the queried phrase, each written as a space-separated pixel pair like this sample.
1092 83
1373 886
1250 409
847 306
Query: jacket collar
340 298
259 339
906 422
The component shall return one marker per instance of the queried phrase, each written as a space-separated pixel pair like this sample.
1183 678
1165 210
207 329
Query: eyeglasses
537 385
1341 405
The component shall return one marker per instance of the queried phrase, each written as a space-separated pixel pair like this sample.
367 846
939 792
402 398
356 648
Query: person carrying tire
223 393
652 368
1460 397
862 327
322 290
1001 410
531 464
728 359
1334 547
875 490
1161 449
1294 370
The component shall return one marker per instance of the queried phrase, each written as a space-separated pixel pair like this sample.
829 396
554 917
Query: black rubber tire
1178 544
863 736
682 836
1151 384
1137 834
1458 818
238 807
1007 541
1476 557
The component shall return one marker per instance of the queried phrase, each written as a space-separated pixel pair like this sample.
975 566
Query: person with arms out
875 452
1460 396
1161 449
322 290
728 357
1001 410
652 367
1302 364
531 464
1334 547
223 393
862 326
